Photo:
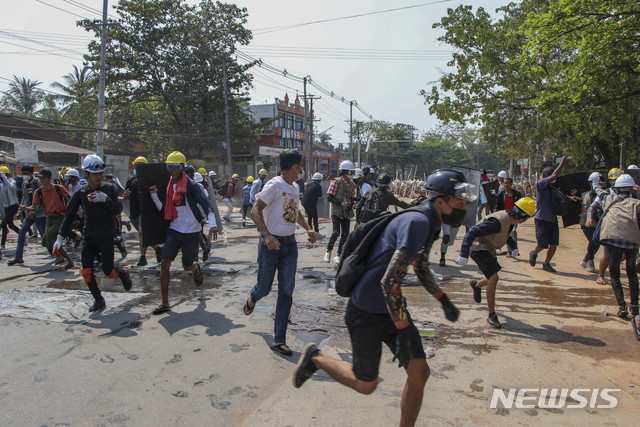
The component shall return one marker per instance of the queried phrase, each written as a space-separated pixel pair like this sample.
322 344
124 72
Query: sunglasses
174 167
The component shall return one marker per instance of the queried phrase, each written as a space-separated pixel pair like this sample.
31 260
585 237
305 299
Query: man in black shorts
483 239
377 311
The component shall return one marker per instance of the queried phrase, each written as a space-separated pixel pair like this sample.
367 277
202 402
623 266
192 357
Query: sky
379 60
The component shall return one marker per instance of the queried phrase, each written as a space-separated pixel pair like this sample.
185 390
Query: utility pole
305 144
102 81
308 129
351 128
226 117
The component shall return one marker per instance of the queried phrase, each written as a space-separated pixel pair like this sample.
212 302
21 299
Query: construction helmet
263 172
72 172
625 181
202 171
502 174
250 179
595 176
347 165
197 177
140 159
632 167
212 173
614 173
4 169
452 183
358 173
526 205
93 164
317 176
235 176
176 157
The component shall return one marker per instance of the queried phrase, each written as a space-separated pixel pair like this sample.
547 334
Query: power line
266 30
83 7
45 44
61 9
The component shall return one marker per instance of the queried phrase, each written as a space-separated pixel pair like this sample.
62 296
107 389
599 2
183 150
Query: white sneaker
336 259
583 264
327 256
591 268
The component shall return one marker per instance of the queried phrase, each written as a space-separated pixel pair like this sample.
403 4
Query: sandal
198 278
248 309
69 266
600 281
161 309
282 349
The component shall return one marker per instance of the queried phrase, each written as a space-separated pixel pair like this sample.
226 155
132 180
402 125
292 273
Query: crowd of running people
70 209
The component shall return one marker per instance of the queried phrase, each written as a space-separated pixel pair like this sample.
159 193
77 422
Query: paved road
205 363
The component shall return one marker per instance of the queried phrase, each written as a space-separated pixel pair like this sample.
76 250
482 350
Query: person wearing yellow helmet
181 207
140 159
257 185
480 243
202 171
228 197
246 199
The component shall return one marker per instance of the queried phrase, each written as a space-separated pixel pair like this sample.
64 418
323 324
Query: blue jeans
26 224
285 261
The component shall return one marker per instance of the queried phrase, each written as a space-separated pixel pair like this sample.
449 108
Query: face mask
454 219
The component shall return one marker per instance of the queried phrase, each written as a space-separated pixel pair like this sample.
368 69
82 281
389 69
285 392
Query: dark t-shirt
410 231
543 202
134 204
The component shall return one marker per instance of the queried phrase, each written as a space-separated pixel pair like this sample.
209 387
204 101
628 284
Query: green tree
23 97
168 56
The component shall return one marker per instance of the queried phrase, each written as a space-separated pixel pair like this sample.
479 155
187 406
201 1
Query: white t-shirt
186 221
281 213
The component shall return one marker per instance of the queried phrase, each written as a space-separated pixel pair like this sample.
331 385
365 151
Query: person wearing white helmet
595 180
501 176
620 233
340 197
100 205
74 180
312 194
632 167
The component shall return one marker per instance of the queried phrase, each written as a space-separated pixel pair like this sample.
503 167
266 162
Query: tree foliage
23 97
545 77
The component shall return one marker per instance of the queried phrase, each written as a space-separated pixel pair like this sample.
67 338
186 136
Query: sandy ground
206 363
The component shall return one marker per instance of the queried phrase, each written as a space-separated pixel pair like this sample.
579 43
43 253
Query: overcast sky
380 60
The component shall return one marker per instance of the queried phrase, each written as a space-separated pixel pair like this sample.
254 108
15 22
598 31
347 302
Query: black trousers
615 258
340 228
92 246
592 248
7 222
312 215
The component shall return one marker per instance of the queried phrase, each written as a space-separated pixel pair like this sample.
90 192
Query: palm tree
23 96
78 85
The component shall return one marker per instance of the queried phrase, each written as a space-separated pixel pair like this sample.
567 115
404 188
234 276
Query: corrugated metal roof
50 146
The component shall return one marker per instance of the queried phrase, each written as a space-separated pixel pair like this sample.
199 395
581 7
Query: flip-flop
282 349
247 310
201 279
161 309
601 281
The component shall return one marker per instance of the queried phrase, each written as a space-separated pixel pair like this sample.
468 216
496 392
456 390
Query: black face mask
454 219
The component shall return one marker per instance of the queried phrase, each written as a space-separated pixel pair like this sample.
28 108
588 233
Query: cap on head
595 176
93 164
625 181
614 173
140 159
72 172
176 157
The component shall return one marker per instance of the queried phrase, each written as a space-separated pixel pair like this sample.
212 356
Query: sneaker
477 292
142 261
547 267
336 259
158 251
443 262
125 277
532 258
98 305
583 263
327 256
493 321
635 322
244 223
226 219
320 236
15 261
306 368
622 312
205 254
633 310
121 247
591 268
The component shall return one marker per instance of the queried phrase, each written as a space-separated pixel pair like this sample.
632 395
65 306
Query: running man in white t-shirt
276 214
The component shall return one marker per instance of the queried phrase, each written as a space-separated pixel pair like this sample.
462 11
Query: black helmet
450 182
383 180
189 170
